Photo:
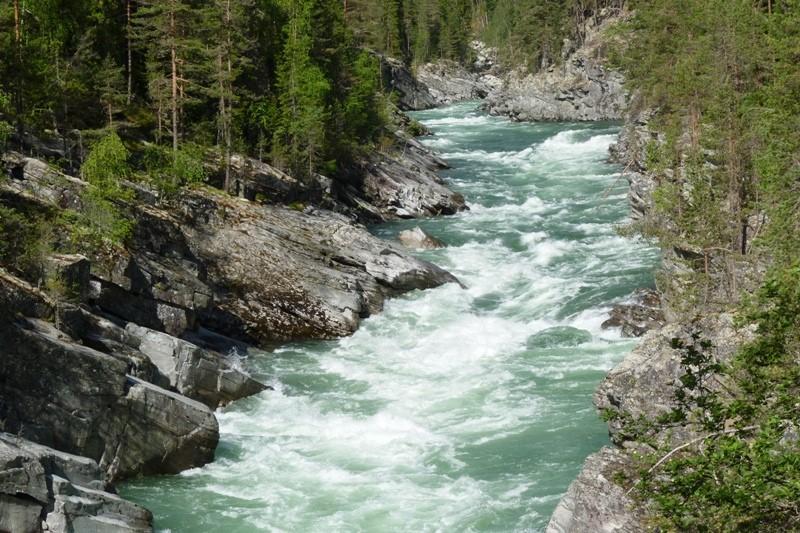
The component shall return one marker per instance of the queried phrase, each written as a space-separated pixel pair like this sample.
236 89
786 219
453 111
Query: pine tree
304 91
167 30
226 21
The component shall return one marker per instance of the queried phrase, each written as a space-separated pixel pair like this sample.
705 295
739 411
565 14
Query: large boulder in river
417 238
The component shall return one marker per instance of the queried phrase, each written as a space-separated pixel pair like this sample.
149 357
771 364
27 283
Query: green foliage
102 215
745 479
107 164
24 241
5 128
170 171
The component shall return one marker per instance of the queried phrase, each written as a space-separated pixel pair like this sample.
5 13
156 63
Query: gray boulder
44 489
402 183
90 407
417 238
202 375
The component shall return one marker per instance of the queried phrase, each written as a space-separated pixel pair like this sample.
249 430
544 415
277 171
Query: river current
455 409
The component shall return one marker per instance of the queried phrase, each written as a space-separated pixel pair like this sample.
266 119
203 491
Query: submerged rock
417 238
559 336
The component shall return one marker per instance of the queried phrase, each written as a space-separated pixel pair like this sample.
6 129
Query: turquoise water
454 410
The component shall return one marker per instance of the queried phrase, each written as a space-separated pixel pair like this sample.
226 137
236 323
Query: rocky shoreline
643 388
118 373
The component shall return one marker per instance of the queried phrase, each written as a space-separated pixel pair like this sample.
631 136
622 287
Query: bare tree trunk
174 65
128 31
18 99
227 107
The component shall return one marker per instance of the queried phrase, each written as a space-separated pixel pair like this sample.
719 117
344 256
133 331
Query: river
453 410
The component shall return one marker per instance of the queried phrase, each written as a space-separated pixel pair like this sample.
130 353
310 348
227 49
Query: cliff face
580 88
443 82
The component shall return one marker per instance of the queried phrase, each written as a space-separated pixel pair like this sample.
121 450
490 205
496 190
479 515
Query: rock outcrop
45 489
124 357
579 88
260 272
637 317
442 82
594 502
411 94
402 183
92 407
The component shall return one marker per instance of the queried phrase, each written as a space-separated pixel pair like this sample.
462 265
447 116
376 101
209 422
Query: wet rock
42 488
417 238
594 503
90 407
202 375
638 317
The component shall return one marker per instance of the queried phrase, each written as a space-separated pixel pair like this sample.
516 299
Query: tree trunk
18 101
227 106
174 65
128 31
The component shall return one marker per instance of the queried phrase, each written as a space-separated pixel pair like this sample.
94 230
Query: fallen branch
686 445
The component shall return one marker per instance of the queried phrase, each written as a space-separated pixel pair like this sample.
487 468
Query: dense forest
527 32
